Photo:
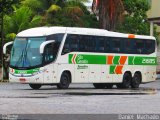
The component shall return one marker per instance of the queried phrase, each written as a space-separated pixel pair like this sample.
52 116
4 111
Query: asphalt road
79 99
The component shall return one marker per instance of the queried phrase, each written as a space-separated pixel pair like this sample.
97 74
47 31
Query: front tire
35 86
136 81
64 81
126 81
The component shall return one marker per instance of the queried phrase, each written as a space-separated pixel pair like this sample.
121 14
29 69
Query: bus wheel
126 81
64 81
99 85
35 86
109 86
136 81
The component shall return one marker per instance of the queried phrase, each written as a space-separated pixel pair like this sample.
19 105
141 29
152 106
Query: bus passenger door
48 57
48 74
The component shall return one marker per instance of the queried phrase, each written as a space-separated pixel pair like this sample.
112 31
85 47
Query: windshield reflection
25 52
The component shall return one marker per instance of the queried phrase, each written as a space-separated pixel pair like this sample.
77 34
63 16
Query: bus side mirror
42 46
5 47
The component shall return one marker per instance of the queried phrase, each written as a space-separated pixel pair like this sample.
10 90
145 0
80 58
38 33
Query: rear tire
35 86
64 81
127 78
136 81
99 85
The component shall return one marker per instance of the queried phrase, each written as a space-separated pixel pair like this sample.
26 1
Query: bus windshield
25 52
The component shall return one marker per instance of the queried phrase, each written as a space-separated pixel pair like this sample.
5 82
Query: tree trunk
109 13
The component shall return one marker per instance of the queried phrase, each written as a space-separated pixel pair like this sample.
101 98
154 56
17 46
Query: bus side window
82 43
66 47
139 46
49 53
107 45
149 46
100 44
73 43
90 43
128 46
57 37
116 45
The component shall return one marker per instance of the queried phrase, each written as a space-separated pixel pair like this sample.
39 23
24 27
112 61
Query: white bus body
83 55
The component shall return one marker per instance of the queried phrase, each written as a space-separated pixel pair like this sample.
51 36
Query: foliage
6 5
20 20
33 13
135 20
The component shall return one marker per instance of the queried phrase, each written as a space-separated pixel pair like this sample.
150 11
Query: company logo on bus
81 60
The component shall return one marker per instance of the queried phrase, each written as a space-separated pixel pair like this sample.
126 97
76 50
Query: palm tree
109 12
21 19
72 9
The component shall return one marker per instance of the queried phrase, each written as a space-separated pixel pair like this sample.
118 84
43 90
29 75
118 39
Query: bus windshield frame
25 52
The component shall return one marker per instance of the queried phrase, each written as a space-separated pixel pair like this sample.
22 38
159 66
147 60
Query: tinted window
128 46
150 46
73 42
107 45
82 44
116 45
50 53
90 43
102 44
66 47
57 37
139 46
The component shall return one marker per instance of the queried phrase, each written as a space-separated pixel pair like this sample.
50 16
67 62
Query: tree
20 20
5 8
62 12
135 19
109 12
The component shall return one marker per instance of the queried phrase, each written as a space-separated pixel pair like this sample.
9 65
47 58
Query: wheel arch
69 73
129 72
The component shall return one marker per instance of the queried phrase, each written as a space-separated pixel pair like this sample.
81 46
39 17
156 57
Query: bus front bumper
36 79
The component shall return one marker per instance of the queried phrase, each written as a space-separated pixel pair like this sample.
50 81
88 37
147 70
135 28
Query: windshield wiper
19 60
25 55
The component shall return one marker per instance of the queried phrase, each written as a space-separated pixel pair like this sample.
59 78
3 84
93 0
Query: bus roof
44 31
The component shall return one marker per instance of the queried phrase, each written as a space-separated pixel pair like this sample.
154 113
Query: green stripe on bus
116 60
88 59
142 61
102 59
112 69
70 58
26 71
130 60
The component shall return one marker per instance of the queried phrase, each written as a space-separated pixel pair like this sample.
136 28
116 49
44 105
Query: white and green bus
63 55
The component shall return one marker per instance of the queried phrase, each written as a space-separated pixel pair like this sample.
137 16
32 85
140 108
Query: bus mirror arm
42 46
5 47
